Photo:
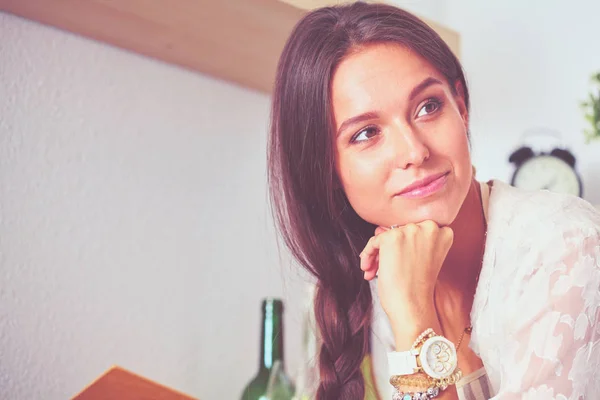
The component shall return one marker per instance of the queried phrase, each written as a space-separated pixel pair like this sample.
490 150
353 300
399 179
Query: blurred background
134 225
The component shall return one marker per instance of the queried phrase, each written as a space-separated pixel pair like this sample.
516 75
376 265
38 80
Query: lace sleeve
554 352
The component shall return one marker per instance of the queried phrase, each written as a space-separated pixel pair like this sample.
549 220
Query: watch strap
402 362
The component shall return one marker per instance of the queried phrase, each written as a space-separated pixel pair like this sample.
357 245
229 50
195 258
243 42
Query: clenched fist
407 261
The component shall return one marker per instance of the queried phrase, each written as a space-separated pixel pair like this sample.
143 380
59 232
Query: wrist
406 327
424 357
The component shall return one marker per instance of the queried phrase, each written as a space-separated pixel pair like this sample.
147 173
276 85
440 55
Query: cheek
356 175
461 156
452 144
363 181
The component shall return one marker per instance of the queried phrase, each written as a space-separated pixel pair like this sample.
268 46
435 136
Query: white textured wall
528 64
133 227
435 10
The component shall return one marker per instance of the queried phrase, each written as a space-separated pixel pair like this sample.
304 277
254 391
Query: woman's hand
407 261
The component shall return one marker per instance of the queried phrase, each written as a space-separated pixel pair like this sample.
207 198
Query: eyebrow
373 115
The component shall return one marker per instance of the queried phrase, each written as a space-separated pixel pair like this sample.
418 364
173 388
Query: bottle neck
272 334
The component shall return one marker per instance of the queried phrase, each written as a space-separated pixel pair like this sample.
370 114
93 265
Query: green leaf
591 110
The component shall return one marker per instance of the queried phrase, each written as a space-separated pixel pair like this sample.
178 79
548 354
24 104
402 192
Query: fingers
447 233
425 237
370 274
429 226
446 238
380 229
369 261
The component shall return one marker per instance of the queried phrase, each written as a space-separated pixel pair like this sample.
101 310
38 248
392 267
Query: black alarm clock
554 171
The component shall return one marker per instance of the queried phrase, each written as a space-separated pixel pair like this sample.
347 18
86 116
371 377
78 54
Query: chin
442 217
441 220
442 212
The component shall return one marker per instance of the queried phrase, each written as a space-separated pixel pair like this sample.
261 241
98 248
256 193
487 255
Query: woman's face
402 151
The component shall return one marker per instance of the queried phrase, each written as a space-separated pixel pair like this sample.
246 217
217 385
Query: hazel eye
430 107
365 134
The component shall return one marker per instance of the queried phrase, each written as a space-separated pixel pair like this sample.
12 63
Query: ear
520 155
460 101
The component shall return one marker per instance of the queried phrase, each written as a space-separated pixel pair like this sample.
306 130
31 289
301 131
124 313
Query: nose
409 148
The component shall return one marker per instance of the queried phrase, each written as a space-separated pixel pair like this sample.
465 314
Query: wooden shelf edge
450 36
235 40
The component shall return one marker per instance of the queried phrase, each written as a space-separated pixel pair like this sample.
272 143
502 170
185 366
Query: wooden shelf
236 40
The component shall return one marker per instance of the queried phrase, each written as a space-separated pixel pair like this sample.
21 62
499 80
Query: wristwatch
436 358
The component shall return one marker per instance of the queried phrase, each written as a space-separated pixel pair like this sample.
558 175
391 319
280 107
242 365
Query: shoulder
546 254
539 233
541 215
541 300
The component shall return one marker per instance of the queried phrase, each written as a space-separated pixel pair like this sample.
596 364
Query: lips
422 184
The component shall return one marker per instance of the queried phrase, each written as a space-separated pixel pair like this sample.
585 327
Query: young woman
472 290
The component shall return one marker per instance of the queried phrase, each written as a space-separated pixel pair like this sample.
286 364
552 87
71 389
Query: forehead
375 75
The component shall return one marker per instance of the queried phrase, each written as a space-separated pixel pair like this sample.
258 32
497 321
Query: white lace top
536 310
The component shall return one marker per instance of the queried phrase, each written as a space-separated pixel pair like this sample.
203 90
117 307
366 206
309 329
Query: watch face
438 357
547 172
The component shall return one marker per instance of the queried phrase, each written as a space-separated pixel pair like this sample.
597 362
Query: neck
272 334
458 276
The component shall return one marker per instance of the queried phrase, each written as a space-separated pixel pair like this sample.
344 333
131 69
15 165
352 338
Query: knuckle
391 236
448 233
429 226
410 229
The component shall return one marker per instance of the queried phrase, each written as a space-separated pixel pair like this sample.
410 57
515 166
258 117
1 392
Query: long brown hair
313 215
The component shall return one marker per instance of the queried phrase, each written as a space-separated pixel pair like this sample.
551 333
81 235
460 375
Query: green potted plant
591 108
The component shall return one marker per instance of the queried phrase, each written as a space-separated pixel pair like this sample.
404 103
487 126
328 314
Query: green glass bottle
271 382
